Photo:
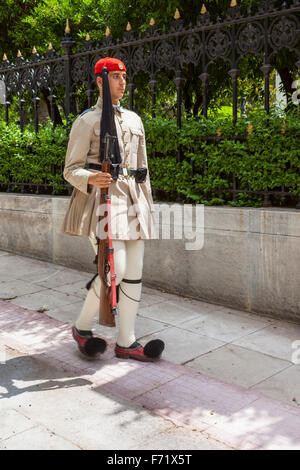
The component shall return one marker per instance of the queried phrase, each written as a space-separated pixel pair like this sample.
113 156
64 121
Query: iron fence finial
152 22
177 14
34 51
4 57
203 10
128 27
67 30
87 38
19 53
107 32
233 3
50 47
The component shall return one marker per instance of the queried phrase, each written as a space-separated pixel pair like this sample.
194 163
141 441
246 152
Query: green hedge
268 158
30 158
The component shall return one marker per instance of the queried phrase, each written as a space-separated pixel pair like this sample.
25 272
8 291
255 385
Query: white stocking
128 259
130 293
91 304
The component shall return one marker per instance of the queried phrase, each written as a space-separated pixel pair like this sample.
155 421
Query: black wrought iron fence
274 27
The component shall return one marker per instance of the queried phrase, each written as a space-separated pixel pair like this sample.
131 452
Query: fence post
131 87
67 44
178 82
6 102
234 73
204 79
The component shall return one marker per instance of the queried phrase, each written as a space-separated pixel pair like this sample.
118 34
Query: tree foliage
39 22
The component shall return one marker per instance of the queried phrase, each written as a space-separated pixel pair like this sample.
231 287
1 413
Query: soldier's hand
100 179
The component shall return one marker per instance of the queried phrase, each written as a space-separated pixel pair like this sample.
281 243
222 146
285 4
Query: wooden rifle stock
108 303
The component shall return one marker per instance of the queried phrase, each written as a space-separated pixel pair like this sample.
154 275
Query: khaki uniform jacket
131 203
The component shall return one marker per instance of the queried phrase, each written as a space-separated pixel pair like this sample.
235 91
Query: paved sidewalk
227 375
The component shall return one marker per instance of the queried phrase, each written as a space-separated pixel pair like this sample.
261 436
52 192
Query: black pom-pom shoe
149 353
88 344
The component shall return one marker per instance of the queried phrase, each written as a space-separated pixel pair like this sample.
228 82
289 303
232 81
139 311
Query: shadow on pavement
16 372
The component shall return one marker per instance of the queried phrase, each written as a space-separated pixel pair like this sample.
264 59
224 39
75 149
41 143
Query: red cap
111 64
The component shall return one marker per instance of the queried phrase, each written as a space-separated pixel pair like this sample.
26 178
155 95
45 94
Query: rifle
108 298
110 159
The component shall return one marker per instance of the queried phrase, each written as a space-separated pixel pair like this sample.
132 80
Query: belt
94 166
120 170
139 174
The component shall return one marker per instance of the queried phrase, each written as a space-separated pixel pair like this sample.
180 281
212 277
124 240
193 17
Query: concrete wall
250 258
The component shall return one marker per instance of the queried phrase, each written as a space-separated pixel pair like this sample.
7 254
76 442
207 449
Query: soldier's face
117 85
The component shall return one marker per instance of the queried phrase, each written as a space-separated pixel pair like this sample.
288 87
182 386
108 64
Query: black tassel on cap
154 348
108 125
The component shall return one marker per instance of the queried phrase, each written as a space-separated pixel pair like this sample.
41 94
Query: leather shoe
150 353
87 343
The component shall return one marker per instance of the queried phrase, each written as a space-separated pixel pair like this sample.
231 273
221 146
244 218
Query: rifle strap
88 285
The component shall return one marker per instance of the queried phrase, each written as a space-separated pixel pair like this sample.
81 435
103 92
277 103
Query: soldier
131 212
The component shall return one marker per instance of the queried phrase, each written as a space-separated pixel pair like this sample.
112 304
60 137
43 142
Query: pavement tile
258 425
167 312
11 261
67 313
280 443
146 326
65 276
14 315
88 419
12 423
6 306
195 305
237 365
7 341
41 335
48 299
17 267
152 296
283 386
224 326
182 345
179 438
4 253
41 276
37 438
276 340
155 292
77 289
195 400
14 288
141 378
150 299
